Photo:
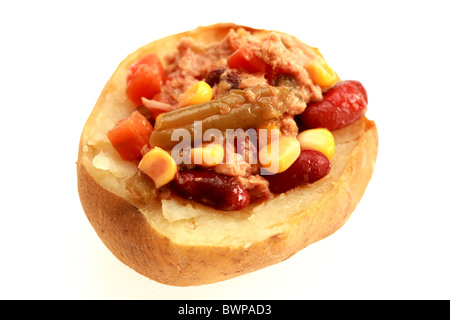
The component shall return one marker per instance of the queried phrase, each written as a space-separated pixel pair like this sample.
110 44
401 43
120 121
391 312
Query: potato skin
128 235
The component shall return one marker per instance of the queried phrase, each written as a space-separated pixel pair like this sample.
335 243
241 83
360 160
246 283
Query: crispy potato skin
128 235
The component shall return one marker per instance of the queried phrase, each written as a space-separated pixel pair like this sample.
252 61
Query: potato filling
233 122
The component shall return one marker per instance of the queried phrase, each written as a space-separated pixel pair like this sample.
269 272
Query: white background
55 58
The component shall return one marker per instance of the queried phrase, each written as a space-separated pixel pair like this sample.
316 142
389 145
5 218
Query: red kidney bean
233 79
212 189
342 105
213 76
309 167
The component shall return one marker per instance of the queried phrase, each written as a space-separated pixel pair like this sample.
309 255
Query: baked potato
178 241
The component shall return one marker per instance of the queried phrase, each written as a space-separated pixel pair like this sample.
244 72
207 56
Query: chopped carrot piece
130 135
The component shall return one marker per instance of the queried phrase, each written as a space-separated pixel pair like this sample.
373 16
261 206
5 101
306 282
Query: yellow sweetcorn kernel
321 73
199 93
279 155
208 155
267 132
158 165
319 139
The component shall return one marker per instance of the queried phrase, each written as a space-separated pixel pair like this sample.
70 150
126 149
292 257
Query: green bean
199 112
237 110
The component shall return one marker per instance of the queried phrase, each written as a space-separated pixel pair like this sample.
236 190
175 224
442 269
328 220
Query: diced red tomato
130 135
245 58
145 78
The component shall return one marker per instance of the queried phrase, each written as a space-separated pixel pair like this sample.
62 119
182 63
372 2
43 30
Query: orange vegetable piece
130 135
145 78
